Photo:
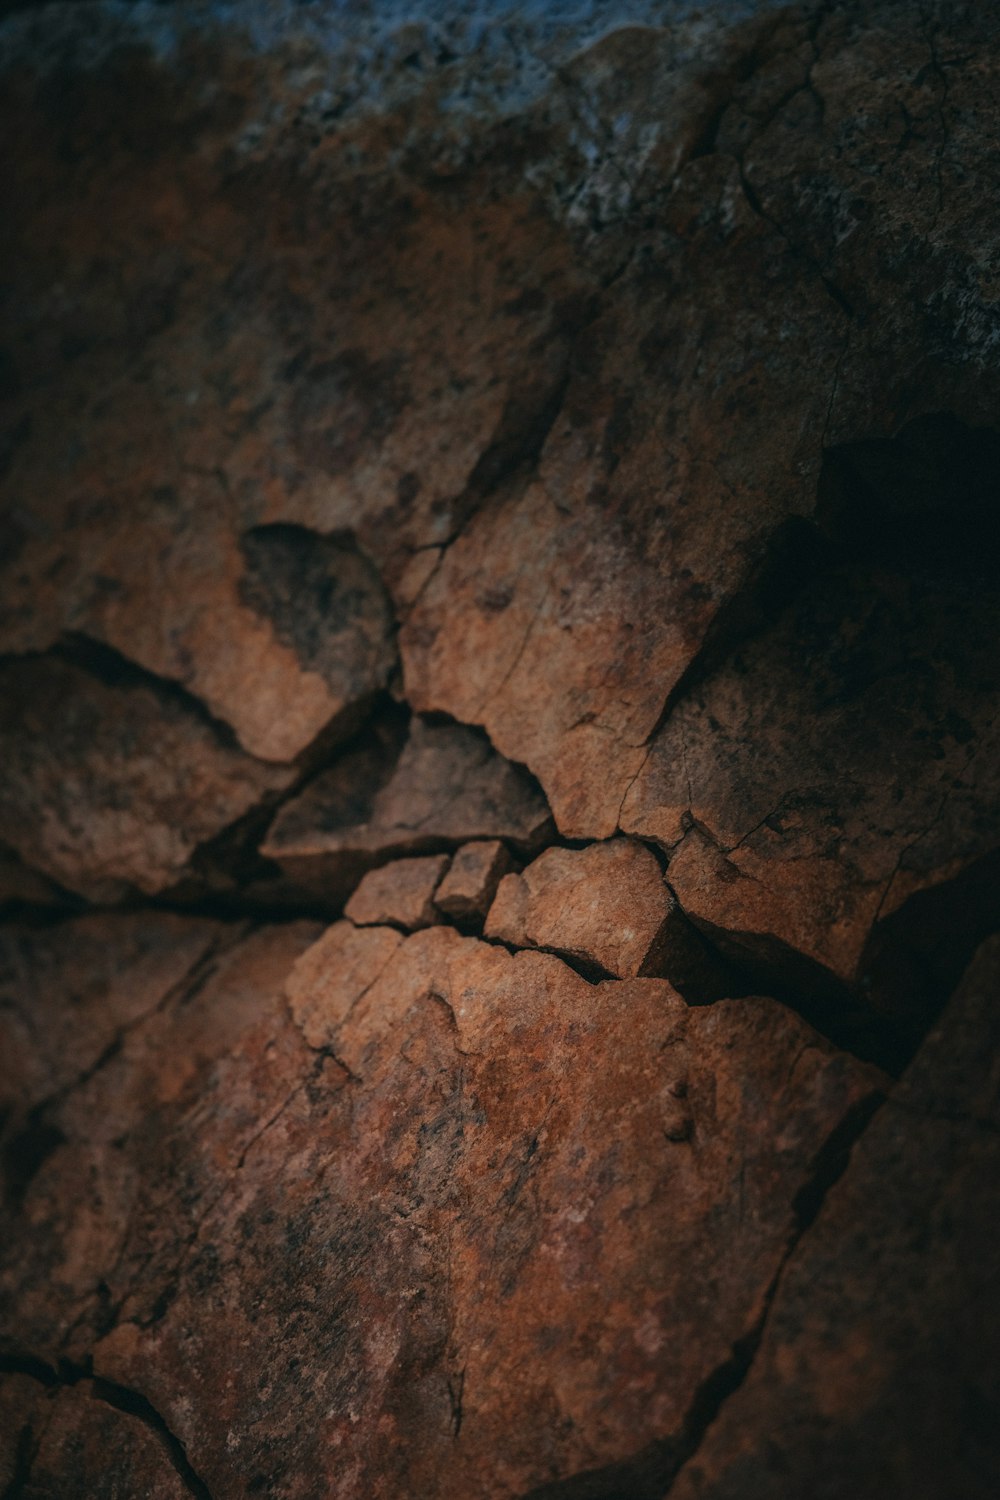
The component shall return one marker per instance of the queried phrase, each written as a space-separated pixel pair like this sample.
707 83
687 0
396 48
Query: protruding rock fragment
493 1193
107 785
399 894
880 1347
833 767
606 906
342 963
325 601
448 786
466 892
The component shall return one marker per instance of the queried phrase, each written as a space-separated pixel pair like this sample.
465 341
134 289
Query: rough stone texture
880 1346
467 890
447 786
110 785
415 1245
413 421
805 806
400 894
606 906
57 1441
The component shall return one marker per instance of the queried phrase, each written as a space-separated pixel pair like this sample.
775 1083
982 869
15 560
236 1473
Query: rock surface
467 890
447 786
113 785
555 439
881 1342
400 894
605 906
465 1164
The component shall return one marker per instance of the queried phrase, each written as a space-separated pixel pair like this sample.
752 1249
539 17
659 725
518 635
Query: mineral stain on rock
498 712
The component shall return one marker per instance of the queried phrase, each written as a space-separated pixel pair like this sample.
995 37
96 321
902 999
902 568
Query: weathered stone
109 785
467 890
55 1439
448 786
20 885
631 377
833 767
104 1151
126 967
444 1219
605 906
399 894
879 1350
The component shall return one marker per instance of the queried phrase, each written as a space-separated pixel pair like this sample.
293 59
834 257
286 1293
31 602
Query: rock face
112 785
448 785
400 894
466 892
584 1147
606 906
498 750
855 1381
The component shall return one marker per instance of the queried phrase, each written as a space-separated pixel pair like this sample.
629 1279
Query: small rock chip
605 906
400 894
466 892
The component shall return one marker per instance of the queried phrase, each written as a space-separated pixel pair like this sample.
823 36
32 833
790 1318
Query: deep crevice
122 1398
650 1473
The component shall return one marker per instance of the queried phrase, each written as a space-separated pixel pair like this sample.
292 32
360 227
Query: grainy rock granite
561 441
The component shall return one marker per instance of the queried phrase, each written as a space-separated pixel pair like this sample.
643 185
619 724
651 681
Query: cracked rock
399 894
605 906
881 1343
442 1238
448 786
111 785
467 890
832 768
56 1441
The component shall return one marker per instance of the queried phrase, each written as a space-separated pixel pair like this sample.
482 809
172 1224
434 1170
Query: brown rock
441 1240
805 806
399 894
465 893
55 1439
22 886
448 786
127 967
878 1359
605 906
107 785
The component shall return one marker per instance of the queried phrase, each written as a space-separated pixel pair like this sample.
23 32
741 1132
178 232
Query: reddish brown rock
111 785
880 1346
127 967
22 886
467 890
55 1440
802 807
448 786
442 1238
605 906
399 894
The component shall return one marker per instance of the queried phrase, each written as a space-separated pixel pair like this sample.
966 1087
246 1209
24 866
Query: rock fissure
121 1398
